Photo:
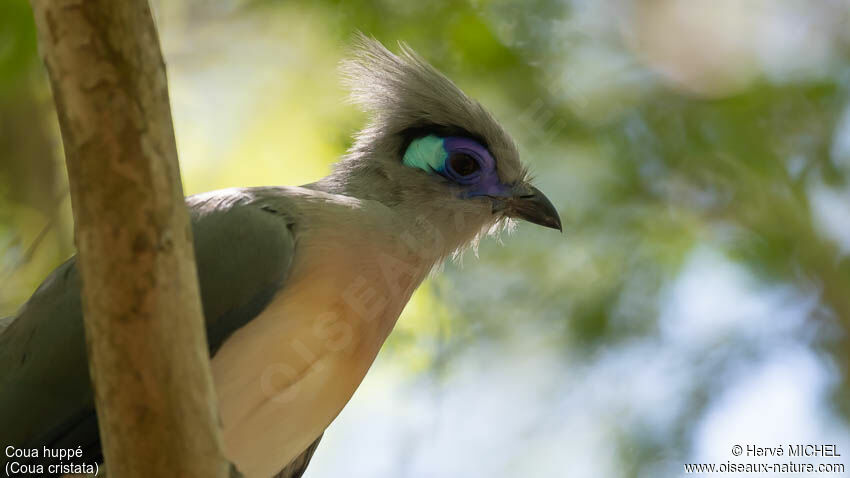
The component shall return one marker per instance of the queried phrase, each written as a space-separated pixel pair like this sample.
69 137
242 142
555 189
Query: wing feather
244 251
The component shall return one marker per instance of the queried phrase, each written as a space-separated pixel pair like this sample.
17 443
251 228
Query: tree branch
148 355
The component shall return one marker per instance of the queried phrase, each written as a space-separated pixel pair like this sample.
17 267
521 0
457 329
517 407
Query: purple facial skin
484 182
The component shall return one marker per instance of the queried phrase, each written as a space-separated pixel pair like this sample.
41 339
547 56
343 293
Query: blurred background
699 153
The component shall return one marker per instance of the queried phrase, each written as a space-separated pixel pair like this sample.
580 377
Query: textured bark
144 328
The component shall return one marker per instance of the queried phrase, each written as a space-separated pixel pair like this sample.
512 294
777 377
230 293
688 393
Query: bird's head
432 151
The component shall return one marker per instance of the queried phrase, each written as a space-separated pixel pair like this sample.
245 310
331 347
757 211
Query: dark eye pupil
463 164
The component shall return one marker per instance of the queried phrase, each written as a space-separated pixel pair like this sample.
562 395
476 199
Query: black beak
530 204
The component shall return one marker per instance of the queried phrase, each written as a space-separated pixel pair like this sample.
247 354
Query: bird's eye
463 164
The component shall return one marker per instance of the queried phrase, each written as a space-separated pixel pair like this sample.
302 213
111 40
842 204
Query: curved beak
529 204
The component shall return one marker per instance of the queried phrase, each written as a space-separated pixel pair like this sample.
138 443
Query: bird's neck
361 182
435 233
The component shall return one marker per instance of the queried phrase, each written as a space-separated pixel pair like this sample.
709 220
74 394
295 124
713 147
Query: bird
300 286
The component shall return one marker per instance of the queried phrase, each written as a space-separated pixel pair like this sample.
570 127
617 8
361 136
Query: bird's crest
408 98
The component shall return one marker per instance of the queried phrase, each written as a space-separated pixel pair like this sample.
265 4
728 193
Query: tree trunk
147 349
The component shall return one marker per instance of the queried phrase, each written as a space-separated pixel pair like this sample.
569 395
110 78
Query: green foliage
645 167
17 44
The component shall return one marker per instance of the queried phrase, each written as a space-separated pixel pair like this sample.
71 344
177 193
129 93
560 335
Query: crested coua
300 285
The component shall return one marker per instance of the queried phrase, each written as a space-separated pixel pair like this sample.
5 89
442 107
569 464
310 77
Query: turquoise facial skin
426 153
430 154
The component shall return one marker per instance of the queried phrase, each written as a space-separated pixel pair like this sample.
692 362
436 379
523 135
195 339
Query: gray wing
244 250
5 322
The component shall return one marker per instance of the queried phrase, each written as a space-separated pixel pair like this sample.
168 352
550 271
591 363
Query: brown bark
144 327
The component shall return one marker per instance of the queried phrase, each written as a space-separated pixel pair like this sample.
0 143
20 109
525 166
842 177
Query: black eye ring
463 164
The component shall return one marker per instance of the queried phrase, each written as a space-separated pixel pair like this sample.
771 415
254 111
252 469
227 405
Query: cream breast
283 377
